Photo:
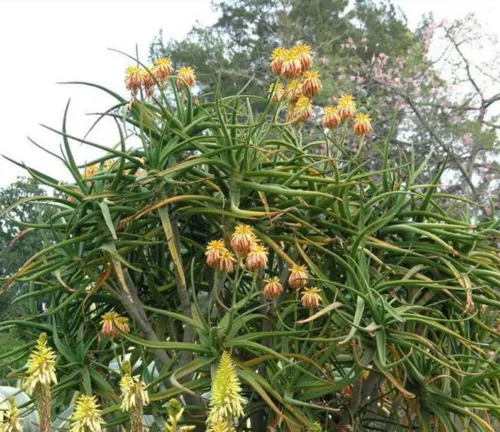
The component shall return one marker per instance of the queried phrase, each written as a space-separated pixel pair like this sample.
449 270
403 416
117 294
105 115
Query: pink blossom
352 78
488 165
417 91
401 105
360 80
323 60
456 118
467 139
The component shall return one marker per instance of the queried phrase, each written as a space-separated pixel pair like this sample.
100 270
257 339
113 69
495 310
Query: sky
45 42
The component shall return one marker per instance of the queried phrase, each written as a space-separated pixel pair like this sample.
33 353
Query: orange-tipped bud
303 110
291 66
133 79
331 118
108 325
214 251
148 83
186 75
257 258
362 125
294 91
311 83
298 277
162 70
226 262
277 91
243 239
277 60
273 287
304 54
347 107
311 298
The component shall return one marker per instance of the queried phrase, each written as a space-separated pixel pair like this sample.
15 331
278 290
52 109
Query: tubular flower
273 287
214 251
331 118
311 83
277 60
243 239
303 110
291 66
304 52
257 258
122 324
87 415
134 393
294 90
108 325
346 107
226 262
311 297
162 70
362 125
148 83
13 422
226 402
298 277
41 366
186 75
133 79
277 92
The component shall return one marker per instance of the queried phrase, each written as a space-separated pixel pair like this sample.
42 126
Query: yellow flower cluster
13 420
133 392
298 280
41 366
346 109
158 74
245 244
303 84
87 416
175 411
226 402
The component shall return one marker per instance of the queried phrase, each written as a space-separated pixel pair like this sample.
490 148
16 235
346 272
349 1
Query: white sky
44 42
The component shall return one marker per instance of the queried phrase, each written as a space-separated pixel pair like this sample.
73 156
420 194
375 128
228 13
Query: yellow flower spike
214 251
90 171
41 366
226 402
298 277
311 298
331 118
311 83
347 107
134 393
273 287
87 416
133 79
186 75
257 258
243 239
304 53
277 60
362 125
221 426
13 421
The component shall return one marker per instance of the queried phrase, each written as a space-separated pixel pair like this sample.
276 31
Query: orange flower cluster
245 244
346 109
158 74
294 65
111 321
298 280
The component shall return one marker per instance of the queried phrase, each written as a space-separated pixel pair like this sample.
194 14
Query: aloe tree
407 280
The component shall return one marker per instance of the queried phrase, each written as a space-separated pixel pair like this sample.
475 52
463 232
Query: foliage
407 280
